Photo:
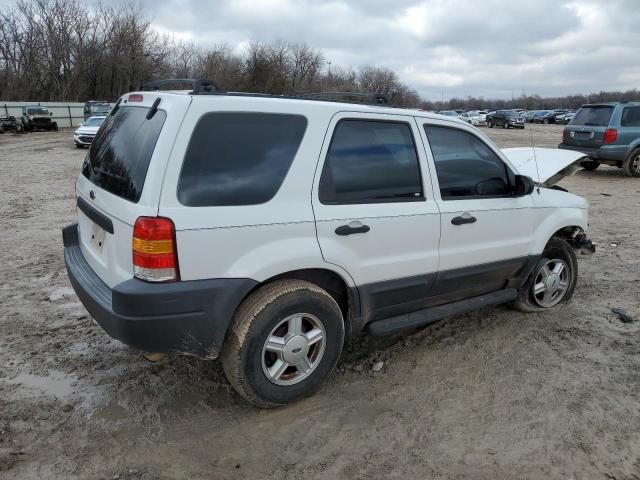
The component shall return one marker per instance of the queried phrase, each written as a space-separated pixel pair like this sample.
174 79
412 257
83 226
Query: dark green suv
609 133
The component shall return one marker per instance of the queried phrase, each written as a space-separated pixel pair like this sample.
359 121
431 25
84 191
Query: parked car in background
449 113
96 108
564 118
609 133
505 119
9 123
37 118
474 117
174 252
86 131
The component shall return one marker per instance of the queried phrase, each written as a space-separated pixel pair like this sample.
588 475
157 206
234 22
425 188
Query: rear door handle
349 230
466 218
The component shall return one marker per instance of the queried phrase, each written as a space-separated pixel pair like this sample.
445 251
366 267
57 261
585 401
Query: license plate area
98 236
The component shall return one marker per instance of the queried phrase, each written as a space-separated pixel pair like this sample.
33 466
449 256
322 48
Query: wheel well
567 233
326 279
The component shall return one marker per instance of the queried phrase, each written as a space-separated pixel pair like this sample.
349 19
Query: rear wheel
592 165
631 165
285 341
552 281
546 121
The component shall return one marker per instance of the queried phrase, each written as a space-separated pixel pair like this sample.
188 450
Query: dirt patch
490 394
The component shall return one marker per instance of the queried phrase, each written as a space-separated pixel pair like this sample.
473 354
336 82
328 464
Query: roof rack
373 98
209 87
199 86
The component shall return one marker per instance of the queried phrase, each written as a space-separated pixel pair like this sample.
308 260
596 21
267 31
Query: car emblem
92 194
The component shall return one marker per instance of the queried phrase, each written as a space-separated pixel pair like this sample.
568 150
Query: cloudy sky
442 48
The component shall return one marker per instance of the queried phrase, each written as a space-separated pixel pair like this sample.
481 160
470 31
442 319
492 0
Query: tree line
64 50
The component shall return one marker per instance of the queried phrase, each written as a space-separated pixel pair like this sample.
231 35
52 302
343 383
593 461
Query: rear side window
593 116
120 153
369 162
631 117
466 166
238 158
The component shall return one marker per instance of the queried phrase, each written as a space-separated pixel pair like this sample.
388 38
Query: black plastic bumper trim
96 217
189 317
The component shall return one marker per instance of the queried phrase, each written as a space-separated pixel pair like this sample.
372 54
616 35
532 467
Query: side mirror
524 185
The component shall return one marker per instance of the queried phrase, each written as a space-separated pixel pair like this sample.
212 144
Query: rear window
593 116
119 156
238 158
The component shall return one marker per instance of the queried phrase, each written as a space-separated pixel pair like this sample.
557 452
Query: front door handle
466 218
349 230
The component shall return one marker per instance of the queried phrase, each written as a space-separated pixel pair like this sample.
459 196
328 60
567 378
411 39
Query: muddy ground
493 394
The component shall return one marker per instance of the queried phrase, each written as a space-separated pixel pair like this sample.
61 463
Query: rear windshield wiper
109 174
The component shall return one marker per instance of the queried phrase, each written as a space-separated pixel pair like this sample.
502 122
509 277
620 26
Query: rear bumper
189 317
607 152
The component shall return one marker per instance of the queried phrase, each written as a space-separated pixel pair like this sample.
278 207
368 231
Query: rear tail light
610 135
155 256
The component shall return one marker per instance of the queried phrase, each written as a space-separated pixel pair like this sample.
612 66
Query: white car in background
475 117
83 136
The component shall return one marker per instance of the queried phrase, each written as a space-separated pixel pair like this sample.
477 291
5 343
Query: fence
65 114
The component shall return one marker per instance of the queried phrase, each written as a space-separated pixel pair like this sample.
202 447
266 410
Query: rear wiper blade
109 174
592 124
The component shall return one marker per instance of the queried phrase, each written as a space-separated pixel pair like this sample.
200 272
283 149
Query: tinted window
119 155
371 161
466 166
593 116
631 117
238 158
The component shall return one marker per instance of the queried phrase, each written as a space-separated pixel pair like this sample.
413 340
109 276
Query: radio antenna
533 147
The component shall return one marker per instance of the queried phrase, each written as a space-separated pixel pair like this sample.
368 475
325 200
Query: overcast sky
490 48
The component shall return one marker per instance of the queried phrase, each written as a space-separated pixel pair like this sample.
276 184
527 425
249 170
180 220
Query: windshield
37 111
93 122
119 155
593 116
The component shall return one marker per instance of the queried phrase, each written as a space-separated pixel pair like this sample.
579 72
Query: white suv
267 230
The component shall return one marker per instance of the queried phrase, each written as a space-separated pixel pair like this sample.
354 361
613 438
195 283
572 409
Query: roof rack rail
373 98
199 86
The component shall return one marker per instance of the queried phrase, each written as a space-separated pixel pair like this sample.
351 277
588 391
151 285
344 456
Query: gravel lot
494 394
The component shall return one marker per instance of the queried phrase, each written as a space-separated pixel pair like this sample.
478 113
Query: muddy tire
285 340
631 166
553 280
590 165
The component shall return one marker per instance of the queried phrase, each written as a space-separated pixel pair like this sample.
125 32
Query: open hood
552 164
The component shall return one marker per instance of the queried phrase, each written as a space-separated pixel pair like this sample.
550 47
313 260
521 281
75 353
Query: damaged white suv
266 230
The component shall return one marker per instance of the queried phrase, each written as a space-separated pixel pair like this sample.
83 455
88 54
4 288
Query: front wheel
489 124
552 281
284 342
506 124
631 165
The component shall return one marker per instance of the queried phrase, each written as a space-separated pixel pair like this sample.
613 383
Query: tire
79 146
546 121
489 123
505 124
271 312
631 166
55 127
590 165
557 251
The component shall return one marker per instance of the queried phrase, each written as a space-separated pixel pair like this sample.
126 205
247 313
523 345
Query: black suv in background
609 133
505 118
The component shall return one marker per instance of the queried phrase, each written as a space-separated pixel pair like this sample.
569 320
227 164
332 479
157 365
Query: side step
424 317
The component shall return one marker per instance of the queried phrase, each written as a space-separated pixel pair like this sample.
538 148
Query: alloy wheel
551 283
294 349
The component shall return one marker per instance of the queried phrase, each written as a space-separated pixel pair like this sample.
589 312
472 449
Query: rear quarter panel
253 241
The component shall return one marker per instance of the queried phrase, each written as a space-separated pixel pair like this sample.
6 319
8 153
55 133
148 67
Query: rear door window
631 117
593 116
371 162
120 153
238 158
